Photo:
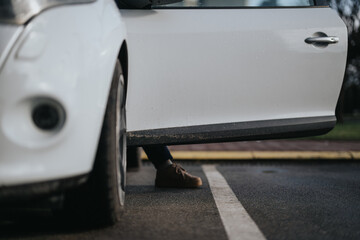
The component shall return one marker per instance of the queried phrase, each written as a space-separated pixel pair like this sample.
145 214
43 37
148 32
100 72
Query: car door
220 70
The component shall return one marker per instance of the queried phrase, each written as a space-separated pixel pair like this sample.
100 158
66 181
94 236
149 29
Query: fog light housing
48 115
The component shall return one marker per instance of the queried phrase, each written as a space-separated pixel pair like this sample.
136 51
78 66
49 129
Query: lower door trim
237 131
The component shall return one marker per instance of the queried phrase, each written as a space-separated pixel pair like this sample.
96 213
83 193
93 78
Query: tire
134 162
100 200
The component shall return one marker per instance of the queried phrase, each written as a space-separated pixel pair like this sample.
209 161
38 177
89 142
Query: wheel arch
124 62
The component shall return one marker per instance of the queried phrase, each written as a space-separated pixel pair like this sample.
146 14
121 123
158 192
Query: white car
79 77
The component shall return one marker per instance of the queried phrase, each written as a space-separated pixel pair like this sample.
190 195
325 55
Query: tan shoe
176 177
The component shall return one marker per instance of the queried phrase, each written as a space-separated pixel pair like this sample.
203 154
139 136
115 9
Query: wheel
100 200
133 159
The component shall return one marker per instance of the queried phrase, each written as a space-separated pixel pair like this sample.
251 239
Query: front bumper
36 68
66 54
8 35
35 190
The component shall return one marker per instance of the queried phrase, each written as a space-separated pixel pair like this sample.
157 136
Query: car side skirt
237 131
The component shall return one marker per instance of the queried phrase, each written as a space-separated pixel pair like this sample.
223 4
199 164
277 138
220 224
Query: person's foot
175 176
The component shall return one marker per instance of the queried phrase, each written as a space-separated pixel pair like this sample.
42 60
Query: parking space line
237 222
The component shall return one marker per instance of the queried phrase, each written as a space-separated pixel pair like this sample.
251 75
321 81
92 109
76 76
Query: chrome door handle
322 40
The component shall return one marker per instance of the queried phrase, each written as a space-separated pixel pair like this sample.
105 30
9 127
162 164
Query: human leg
159 155
169 174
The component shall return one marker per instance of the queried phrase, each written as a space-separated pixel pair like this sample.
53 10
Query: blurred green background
348 107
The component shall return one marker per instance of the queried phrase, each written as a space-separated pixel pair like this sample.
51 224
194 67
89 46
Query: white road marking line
237 222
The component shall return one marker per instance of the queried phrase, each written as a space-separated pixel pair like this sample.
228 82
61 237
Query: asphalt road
303 200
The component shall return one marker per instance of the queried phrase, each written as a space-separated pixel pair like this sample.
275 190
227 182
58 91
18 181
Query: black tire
100 200
134 162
